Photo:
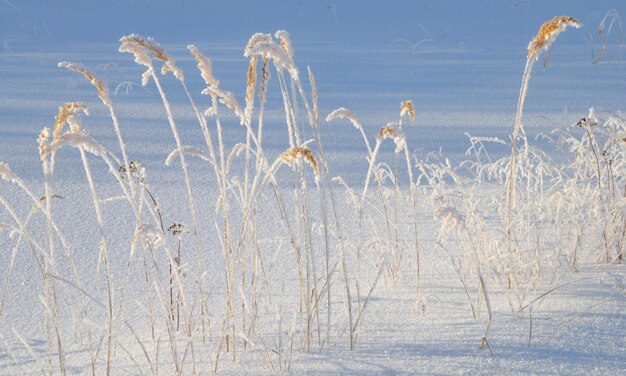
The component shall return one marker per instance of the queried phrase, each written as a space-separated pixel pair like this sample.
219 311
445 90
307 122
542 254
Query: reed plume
547 34
300 152
100 87
394 132
204 65
542 41
142 48
406 108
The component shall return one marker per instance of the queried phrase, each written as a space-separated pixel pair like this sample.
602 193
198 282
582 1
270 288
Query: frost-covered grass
257 249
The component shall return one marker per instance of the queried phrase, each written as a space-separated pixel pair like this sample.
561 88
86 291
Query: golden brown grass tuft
386 132
65 112
548 33
406 108
295 153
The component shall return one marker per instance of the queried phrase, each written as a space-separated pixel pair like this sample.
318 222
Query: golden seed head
295 153
285 42
100 87
393 131
65 112
133 42
386 132
548 33
252 71
149 45
204 65
406 108
251 78
43 142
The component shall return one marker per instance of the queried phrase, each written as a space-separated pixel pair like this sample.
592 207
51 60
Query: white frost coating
285 42
256 40
128 44
400 142
171 67
187 150
344 113
6 173
264 45
142 48
154 233
74 122
204 65
228 99
78 139
210 112
141 56
496 140
145 76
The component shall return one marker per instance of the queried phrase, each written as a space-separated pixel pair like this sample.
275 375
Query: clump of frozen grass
392 247
595 186
464 235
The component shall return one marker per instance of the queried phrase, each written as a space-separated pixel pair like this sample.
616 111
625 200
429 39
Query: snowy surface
459 62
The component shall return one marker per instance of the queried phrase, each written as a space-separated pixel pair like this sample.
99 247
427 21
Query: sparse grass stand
195 316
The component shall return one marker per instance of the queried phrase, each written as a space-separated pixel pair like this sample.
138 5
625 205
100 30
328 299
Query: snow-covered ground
461 65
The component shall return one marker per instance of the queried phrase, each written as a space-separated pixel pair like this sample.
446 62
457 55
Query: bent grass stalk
103 94
542 41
